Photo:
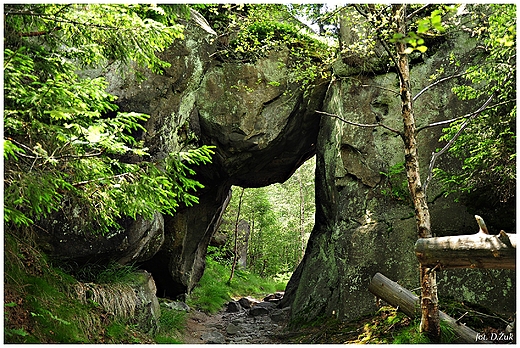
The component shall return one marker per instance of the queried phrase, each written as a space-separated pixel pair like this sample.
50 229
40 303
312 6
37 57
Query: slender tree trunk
235 251
429 302
302 217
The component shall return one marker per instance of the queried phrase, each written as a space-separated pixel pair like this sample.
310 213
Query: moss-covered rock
362 225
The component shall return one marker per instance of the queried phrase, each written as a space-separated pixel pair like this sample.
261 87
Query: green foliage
40 305
94 33
66 148
396 180
110 273
421 29
411 335
280 217
487 147
254 30
213 290
171 324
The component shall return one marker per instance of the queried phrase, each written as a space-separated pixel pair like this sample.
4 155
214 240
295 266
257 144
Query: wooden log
468 251
393 293
409 303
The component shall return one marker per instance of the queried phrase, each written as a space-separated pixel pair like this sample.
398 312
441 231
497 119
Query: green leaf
396 37
421 49
423 26
94 133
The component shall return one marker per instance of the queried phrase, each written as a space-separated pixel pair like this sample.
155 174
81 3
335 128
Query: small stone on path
233 307
213 337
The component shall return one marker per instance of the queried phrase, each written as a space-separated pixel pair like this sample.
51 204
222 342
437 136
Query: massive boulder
364 220
262 134
264 125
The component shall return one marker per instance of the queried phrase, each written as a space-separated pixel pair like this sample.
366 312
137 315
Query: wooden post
468 251
407 302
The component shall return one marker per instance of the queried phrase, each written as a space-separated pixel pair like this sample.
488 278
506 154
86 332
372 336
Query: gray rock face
361 229
147 310
137 241
136 302
280 315
263 132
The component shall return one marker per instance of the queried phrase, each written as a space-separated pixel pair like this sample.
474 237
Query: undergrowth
41 303
389 326
172 324
213 290
386 326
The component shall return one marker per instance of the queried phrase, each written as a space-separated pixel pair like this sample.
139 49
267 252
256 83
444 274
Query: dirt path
259 324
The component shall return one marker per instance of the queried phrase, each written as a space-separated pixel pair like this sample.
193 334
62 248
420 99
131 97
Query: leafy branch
445 122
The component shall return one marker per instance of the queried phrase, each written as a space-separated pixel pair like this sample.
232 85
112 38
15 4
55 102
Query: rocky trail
246 321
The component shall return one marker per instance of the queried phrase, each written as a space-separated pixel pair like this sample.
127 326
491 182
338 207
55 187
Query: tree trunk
468 251
235 251
429 302
302 217
408 303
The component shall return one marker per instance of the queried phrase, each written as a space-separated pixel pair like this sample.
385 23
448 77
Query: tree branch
360 124
436 83
81 183
383 88
411 15
94 154
59 20
452 140
440 123
374 86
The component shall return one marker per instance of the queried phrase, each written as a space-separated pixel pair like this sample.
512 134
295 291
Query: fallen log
409 303
479 250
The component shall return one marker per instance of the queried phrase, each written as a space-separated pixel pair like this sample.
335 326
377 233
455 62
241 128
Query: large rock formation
262 133
362 225
262 124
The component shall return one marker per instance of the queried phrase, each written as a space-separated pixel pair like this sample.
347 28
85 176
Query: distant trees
280 218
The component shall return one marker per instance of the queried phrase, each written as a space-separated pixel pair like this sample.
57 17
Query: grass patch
213 290
171 326
41 303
